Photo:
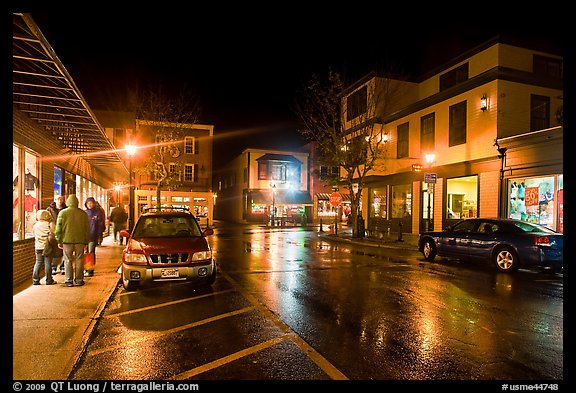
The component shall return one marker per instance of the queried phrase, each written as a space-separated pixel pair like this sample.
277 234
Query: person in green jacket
73 235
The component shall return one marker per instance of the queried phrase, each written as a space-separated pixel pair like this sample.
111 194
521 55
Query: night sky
245 68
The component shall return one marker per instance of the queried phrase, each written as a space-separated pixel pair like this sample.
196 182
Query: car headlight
201 255
135 259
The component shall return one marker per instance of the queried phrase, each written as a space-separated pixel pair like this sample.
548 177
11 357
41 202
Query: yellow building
490 123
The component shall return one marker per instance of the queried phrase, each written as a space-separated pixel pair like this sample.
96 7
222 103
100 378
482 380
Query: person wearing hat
43 229
97 227
73 235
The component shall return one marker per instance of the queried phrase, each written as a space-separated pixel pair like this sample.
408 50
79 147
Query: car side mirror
124 233
208 232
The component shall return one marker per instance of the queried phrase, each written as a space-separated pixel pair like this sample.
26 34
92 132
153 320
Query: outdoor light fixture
484 103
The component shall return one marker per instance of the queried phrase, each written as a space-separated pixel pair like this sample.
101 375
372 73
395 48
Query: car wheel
129 285
505 259
429 250
212 278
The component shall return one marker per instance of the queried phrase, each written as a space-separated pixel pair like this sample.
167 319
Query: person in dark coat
97 227
119 218
73 235
58 255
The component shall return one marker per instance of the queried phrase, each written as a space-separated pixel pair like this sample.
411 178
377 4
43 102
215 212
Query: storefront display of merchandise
536 199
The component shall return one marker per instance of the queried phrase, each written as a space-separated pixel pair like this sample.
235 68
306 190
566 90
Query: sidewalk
408 241
52 324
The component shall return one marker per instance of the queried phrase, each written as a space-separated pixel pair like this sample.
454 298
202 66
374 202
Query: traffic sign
335 199
430 178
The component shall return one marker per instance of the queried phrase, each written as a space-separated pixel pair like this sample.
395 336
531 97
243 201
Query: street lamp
130 151
430 160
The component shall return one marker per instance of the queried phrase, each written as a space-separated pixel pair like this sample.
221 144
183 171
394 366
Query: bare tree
347 127
164 118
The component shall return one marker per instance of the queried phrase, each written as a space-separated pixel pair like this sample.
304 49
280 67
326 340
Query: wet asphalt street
288 305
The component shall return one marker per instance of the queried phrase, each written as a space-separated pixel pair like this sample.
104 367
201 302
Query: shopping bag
89 261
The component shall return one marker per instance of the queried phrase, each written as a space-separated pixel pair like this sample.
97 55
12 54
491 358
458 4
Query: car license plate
169 273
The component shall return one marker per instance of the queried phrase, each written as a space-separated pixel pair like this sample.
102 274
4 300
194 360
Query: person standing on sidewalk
119 219
43 229
73 235
97 227
57 256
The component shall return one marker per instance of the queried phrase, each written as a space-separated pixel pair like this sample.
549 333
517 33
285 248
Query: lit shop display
537 200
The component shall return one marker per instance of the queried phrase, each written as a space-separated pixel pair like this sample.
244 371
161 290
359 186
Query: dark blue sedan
506 243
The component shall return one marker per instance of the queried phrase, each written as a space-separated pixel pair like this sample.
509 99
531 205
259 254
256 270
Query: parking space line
150 336
166 304
227 359
314 355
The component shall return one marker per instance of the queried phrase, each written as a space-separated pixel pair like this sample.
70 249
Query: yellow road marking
169 331
230 358
314 355
165 304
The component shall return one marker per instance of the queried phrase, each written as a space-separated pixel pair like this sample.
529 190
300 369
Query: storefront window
537 200
24 209
16 219
379 206
58 181
402 201
462 197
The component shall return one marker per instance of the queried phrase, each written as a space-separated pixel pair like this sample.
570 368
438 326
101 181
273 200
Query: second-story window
356 103
548 67
427 128
402 147
457 124
539 112
190 145
263 170
454 77
329 173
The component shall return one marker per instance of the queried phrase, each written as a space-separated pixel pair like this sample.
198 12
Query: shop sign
430 178
531 196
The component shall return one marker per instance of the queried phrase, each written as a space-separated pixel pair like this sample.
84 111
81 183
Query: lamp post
429 160
130 151
273 215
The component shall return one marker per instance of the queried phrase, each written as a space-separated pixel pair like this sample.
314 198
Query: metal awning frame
45 91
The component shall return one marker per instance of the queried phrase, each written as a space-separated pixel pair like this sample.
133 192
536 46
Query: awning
281 197
323 196
43 89
279 157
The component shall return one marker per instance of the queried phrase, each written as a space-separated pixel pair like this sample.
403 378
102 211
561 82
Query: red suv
167 245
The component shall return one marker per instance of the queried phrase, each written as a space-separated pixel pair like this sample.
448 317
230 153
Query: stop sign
335 199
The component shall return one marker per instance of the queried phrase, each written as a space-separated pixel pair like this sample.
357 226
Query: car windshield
528 227
166 226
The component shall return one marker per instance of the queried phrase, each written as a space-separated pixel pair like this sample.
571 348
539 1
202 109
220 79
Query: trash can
361 228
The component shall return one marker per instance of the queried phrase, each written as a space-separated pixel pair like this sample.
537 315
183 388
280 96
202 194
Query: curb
385 244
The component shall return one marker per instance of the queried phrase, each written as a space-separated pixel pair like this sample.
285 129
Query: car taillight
542 241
